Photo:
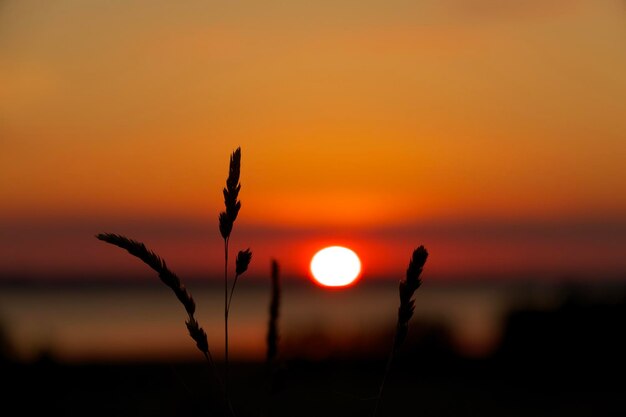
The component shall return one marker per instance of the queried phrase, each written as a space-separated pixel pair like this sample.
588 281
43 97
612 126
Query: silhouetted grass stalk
273 368
407 288
226 314
272 328
226 220
170 279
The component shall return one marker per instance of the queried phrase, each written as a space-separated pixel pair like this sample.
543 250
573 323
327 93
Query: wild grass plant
407 288
226 222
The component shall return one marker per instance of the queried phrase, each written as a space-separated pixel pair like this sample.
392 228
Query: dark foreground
328 388
567 361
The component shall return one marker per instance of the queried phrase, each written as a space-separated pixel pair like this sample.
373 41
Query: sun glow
335 266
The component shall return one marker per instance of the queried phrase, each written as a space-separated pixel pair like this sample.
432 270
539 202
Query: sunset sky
492 132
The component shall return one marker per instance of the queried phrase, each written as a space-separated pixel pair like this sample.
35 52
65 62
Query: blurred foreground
563 358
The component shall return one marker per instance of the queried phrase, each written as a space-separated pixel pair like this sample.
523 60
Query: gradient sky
493 132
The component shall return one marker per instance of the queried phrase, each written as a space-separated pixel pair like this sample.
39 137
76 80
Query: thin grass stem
226 316
211 365
407 288
232 291
379 396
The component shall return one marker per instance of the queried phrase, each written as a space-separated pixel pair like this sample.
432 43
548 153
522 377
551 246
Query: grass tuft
169 278
407 288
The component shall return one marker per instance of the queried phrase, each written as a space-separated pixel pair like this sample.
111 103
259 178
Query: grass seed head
243 260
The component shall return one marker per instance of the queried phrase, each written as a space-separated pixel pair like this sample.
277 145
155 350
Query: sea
100 321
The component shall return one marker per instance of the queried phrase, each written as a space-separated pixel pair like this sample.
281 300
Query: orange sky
359 119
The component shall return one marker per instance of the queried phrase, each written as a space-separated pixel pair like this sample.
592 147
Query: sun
335 266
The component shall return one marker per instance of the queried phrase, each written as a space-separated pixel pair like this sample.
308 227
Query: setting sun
335 266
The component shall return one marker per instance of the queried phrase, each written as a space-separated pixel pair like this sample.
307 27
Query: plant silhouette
407 288
226 221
